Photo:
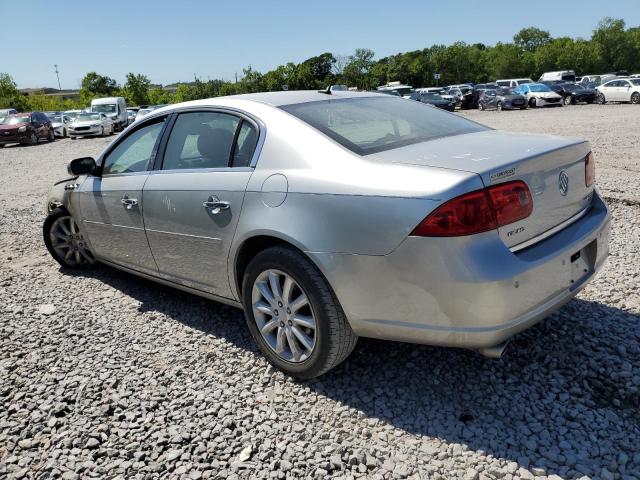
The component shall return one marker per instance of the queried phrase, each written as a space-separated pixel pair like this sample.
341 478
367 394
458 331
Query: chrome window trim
550 232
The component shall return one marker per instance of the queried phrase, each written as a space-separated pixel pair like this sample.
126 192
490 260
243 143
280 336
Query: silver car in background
90 123
328 216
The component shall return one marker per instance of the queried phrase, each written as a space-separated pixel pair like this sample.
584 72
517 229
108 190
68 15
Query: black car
434 99
573 93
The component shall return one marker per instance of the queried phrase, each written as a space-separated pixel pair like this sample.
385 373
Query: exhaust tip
494 352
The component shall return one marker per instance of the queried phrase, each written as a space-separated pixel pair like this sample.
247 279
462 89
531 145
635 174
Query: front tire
51 136
568 100
480 106
102 132
499 106
600 99
64 241
532 103
635 98
293 315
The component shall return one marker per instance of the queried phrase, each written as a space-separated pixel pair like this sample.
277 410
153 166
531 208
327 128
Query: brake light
589 170
478 211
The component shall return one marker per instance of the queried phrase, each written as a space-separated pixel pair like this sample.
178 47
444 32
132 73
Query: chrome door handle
214 205
129 202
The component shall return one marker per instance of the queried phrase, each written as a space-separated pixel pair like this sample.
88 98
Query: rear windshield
375 124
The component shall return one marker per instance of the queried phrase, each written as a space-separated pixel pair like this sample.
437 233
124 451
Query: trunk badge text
563 182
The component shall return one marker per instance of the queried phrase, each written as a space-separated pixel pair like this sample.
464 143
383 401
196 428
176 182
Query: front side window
367 125
134 152
201 140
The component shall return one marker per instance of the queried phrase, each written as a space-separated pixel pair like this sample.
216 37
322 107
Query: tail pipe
494 352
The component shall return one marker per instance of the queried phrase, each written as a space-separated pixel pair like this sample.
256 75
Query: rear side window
367 125
245 145
201 140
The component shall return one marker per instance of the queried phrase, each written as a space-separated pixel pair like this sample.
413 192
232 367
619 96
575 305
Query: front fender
60 193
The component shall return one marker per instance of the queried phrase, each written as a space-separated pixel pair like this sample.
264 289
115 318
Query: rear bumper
467 292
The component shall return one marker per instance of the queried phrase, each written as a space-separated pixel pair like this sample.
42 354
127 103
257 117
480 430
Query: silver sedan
332 215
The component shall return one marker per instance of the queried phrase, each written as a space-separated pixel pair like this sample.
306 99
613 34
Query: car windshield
507 91
572 87
14 120
431 96
369 125
55 118
106 108
538 88
88 116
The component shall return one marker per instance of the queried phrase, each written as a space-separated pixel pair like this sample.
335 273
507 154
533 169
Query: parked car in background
573 93
442 91
25 129
539 95
434 99
143 112
338 88
72 113
5 112
564 76
460 236
478 89
85 124
131 115
463 95
114 107
503 98
59 122
403 90
619 90
513 82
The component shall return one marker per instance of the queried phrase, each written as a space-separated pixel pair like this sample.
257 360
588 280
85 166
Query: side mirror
82 166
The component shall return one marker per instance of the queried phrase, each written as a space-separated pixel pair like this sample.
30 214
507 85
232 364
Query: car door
38 125
611 91
193 202
111 202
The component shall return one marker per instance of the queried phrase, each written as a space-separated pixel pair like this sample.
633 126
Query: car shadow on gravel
564 397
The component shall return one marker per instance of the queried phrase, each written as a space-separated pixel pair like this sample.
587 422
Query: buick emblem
563 182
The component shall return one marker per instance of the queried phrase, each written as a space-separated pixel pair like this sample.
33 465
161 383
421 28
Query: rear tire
480 106
499 106
331 335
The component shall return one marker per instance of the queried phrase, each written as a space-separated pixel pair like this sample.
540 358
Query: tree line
612 47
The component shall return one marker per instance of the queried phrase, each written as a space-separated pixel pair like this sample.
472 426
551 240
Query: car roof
278 99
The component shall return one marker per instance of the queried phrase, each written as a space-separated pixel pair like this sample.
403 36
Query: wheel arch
252 246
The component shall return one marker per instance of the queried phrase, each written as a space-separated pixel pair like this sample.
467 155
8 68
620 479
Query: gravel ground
106 375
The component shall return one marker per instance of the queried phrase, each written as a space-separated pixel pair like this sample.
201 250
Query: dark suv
25 128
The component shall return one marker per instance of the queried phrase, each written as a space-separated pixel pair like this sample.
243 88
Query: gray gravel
105 375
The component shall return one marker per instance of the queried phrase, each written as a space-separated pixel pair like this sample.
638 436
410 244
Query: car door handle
129 202
215 205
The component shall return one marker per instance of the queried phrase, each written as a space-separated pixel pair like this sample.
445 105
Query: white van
513 82
114 107
564 76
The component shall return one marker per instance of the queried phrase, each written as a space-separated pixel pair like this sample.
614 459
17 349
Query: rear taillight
589 170
478 211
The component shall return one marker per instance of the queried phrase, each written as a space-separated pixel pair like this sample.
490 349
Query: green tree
159 96
613 44
10 97
532 38
356 71
94 85
136 89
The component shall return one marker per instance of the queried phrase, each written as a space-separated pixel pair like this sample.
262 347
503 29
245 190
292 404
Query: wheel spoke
68 255
298 303
305 340
64 228
77 255
263 308
293 345
72 226
265 292
286 290
269 327
86 255
60 236
304 321
274 283
281 340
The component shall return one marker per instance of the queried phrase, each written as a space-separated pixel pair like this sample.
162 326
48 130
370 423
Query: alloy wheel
284 316
635 98
69 244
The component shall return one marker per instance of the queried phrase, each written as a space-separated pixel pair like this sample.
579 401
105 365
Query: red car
25 128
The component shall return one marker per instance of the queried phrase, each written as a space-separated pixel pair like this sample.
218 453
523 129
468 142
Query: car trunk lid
552 167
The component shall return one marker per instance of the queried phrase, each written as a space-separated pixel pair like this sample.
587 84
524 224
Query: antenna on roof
326 91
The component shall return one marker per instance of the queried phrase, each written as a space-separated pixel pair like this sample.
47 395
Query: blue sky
173 40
